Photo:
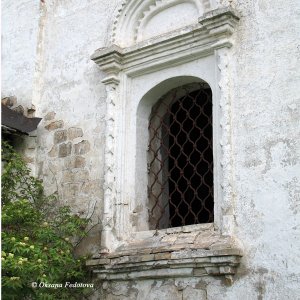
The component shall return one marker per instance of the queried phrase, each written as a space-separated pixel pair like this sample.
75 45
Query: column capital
109 60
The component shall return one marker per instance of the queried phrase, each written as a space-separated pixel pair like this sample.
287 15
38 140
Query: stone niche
142 64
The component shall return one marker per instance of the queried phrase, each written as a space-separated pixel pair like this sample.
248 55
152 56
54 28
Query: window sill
188 251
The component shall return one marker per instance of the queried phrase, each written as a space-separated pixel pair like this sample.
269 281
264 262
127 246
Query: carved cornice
110 62
219 20
145 266
212 32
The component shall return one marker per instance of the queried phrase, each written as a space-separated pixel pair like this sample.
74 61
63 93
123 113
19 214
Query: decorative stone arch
136 20
138 73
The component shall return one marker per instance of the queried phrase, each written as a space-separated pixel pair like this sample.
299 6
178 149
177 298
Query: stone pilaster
227 194
110 64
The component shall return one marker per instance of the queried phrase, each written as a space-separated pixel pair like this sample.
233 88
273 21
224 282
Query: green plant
38 237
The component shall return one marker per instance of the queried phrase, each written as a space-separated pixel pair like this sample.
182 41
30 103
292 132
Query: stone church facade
174 126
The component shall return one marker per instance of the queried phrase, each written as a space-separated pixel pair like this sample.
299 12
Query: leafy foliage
38 237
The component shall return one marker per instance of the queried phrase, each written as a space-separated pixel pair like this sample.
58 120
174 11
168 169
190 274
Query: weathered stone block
120 260
146 257
161 263
9 101
186 238
75 162
170 239
145 251
162 249
55 125
65 149
227 270
101 261
181 254
202 260
212 270
60 136
77 176
200 272
134 259
182 262
165 255
50 116
83 147
92 187
74 133
205 239
161 273
221 244
122 253
71 190
53 152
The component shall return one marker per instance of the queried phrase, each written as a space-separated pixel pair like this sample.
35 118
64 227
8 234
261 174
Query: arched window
178 189
180 158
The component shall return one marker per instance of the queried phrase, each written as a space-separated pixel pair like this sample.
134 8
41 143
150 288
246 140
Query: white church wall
266 110
72 104
49 64
20 29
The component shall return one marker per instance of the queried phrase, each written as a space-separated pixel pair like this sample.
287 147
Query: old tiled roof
12 121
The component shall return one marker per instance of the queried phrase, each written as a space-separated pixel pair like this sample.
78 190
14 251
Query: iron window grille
180 158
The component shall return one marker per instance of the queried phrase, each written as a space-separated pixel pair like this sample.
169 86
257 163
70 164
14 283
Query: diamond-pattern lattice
180 162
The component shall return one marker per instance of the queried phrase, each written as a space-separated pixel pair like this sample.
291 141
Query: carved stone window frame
204 46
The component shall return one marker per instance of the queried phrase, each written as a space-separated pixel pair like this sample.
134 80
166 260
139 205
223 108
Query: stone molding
213 32
129 18
170 253
151 266
111 83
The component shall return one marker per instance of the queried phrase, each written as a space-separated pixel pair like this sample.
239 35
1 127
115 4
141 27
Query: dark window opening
180 166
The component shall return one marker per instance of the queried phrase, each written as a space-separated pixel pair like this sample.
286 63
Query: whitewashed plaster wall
20 24
72 102
266 131
265 121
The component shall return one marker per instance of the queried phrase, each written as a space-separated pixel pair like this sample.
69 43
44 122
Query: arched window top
139 20
166 89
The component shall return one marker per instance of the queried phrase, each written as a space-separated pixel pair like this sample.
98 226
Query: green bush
38 237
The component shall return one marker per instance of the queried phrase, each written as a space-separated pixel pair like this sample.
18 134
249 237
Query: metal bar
180 159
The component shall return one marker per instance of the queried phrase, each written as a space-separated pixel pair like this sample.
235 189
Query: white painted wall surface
265 122
20 23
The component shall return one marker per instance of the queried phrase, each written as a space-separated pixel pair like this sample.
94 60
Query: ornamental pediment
140 20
